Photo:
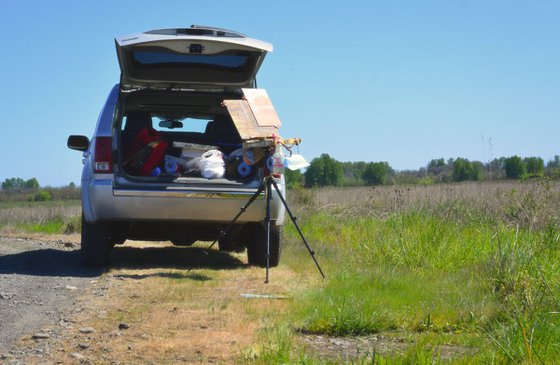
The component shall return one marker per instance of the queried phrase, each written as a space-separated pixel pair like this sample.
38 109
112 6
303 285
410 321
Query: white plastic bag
295 162
212 165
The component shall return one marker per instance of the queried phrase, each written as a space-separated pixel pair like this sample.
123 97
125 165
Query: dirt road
155 304
147 307
39 281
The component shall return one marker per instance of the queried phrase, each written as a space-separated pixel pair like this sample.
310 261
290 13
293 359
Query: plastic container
278 160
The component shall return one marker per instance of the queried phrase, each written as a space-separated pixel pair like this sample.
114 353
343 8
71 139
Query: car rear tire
96 244
256 247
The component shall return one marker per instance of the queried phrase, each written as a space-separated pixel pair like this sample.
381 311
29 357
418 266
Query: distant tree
553 167
535 166
375 173
407 177
476 170
436 166
464 170
495 168
555 162
72 185
439 170
17 183
13 183
515 167
358 168
32 184
324 171
294 179
352 172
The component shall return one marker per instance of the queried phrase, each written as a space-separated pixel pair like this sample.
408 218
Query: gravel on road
39 281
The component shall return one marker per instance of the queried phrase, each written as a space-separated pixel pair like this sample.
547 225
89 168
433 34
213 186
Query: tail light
103 163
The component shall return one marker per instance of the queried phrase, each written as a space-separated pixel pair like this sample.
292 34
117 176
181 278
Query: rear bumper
102 202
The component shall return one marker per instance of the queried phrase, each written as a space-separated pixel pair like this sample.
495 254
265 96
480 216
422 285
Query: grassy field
61 216
458 273
470 265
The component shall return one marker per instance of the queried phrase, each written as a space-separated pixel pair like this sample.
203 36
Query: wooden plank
262 108
245 121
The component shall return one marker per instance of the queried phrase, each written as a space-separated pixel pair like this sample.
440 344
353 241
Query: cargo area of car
184 138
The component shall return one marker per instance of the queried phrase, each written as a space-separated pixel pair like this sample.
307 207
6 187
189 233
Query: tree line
327 171
18 189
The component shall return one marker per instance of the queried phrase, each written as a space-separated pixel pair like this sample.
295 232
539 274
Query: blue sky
395 81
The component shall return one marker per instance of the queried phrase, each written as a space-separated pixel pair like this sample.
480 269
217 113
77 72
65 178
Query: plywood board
262 108
246 122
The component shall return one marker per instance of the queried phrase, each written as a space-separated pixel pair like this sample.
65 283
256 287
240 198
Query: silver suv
181 144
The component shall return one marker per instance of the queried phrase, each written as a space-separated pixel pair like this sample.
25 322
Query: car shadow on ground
46 262
53 262
123 257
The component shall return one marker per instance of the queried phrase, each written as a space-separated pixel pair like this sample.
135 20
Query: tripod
267 186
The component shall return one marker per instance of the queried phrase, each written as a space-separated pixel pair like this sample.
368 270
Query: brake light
102 163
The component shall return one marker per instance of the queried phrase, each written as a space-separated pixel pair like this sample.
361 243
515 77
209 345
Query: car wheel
96 244
256 247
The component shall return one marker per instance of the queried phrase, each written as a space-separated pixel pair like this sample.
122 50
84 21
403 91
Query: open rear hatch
240 130
196 57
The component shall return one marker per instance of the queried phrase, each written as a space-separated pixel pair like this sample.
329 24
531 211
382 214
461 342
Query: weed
477 262
41 217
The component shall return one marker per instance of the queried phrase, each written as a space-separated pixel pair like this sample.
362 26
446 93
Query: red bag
146 151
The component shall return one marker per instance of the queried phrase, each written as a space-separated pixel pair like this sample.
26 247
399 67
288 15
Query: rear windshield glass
225 61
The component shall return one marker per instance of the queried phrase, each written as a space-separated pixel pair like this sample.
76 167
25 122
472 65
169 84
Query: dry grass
176 316
53 217
531 204
36 213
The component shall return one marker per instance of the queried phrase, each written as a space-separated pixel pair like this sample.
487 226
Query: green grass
50 217
446 273
57 225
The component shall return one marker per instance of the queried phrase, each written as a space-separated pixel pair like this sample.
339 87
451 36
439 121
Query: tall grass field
60 216
472 267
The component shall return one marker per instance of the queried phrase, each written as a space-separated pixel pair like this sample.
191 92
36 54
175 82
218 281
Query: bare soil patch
39 281
149 308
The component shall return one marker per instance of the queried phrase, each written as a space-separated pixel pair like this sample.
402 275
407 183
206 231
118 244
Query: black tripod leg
226 230
294 220
267 222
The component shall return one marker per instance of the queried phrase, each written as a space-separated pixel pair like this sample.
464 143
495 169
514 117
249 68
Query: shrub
42 196
464 170
294 179
324 171
515 167
375 173
535 166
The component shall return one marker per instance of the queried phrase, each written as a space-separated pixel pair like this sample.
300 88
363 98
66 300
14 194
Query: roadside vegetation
441 273
26 206
472 266
52 217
